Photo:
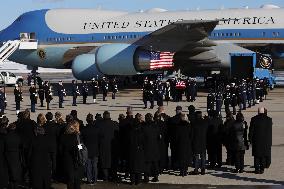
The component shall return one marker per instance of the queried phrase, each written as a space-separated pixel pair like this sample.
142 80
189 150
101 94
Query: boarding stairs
8 49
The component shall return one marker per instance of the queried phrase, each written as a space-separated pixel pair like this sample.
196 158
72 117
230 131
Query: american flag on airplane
161 60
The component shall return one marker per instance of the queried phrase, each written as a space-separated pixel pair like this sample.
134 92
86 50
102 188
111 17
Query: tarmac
219 178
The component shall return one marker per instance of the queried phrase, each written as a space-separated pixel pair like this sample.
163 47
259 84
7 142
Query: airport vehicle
95 42
9 78
252 65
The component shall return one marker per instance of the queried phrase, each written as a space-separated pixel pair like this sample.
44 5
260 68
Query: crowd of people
37 153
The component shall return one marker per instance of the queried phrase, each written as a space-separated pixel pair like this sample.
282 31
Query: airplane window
4 73
119 37
263 33
134 36
231 34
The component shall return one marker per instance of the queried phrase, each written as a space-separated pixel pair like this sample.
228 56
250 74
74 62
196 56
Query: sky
11 9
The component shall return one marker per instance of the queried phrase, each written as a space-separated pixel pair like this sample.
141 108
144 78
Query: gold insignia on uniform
41 53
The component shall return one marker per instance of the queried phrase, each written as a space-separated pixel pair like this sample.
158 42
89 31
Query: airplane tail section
8 49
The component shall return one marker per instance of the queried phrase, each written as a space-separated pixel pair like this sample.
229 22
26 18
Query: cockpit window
18 19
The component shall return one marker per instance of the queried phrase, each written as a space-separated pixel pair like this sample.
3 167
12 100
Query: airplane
95 42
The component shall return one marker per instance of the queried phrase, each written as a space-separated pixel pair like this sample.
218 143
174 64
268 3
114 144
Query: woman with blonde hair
69 145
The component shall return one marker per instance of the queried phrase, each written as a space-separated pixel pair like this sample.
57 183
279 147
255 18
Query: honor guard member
253 92
33 96
249 94
261 89
95 89
2 101
18 98
219 102
160 94
114 88
61 94
148 94
210 101
167 92
234 98
257 91
227 99
41 94
48 96
75 92
85 91
104 85
244 94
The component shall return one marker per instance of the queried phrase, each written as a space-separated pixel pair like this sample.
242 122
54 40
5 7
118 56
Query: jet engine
111 59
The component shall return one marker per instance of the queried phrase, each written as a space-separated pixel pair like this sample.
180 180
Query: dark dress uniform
75 93
167 92
18 99
13 147
219 102
210 101
61 94
114 88
85 91
48 96
151 148
104 85
234 99
160 94
260 136
41 95
33 98
39 160
95 89
227 100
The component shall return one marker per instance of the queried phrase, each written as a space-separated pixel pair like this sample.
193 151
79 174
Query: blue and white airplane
98 42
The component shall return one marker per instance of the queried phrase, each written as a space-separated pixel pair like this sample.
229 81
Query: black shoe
241 171
145 107
261 171
195 172
257 171
155 179
202 171
236 171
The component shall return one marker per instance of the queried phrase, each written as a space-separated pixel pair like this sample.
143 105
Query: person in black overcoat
68 148
226 138
199 127
136 151
52 132
108 132
3 163
161 122
172 123
239 142
90 137
41 94
151 148
183 148
214 142
260 136
25 127
13 147
39 157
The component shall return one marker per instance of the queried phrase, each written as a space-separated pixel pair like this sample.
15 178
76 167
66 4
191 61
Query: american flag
161 60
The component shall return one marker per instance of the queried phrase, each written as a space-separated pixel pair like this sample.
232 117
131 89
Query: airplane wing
179 35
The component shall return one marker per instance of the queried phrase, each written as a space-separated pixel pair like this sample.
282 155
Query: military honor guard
18 98
61 94
33 96
85 91
114 88
95 89
48 94
210 101
104 84
41 94
75 92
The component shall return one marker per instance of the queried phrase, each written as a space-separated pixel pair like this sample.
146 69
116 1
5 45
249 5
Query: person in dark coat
90 137
183 148
85 91
39 157
41 94
52 132
13 147
172 123
68 147
214 142
75 92
61 93
151 148
2 100
260 136
108 132
136 151
95 89
226 138
3 163
18 98
239 142
33 97
25 128
199 127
